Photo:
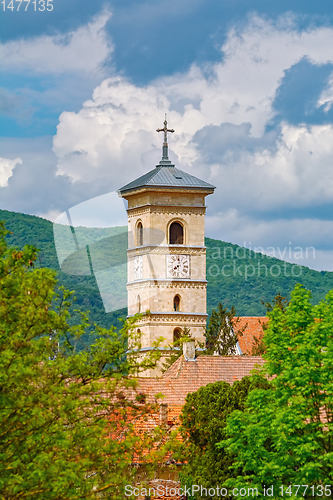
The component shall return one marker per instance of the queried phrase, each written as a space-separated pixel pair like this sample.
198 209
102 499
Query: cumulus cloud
220 115
295 172
111 132
83 50
32 187
6 169
242 87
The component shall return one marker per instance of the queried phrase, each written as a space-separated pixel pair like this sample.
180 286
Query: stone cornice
166 283
166 250
176 314
166 209
173 317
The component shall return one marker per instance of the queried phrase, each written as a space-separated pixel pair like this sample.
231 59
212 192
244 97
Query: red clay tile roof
253 328
188 376
184 377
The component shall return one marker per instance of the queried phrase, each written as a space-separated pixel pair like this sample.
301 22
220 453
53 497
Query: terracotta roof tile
184 376
253 328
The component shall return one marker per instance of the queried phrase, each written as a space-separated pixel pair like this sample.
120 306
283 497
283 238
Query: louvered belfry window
176 234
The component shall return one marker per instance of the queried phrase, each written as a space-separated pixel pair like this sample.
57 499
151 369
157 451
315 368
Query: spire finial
165 129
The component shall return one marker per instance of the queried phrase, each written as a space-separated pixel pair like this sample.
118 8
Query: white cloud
326 97
51 215
244 230
242 87
302 241
6 169
109 135
82 50
296 173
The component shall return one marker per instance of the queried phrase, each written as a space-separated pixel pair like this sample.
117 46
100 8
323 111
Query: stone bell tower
166 250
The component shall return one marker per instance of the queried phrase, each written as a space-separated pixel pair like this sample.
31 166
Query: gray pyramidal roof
166 176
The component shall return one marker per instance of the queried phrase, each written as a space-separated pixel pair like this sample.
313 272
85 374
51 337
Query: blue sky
248 86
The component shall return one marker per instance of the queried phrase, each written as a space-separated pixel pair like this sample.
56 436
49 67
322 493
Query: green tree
204 424
279 300
65 433
258 343
223 332
285 435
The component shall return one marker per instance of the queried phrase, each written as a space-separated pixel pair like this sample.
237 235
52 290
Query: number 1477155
35 5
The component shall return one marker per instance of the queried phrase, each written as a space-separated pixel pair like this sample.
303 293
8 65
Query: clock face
178 266
138 267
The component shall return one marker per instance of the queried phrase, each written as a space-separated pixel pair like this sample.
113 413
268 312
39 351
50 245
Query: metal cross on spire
165 129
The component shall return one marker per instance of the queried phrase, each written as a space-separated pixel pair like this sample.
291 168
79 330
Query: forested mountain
92 258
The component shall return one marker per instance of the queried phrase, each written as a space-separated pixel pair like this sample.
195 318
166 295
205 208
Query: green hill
236 276
243 278
28 229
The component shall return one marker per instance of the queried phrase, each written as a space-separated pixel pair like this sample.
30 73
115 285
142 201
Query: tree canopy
204 424
285 434
223 332
66 415
258 342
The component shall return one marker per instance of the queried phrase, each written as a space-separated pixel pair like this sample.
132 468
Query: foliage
65 432
284 436
258 343
223 332
203 425
280 301
258 347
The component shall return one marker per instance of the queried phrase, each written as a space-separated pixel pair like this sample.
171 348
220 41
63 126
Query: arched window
139 234
176 234
176 303
138 303
177 334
